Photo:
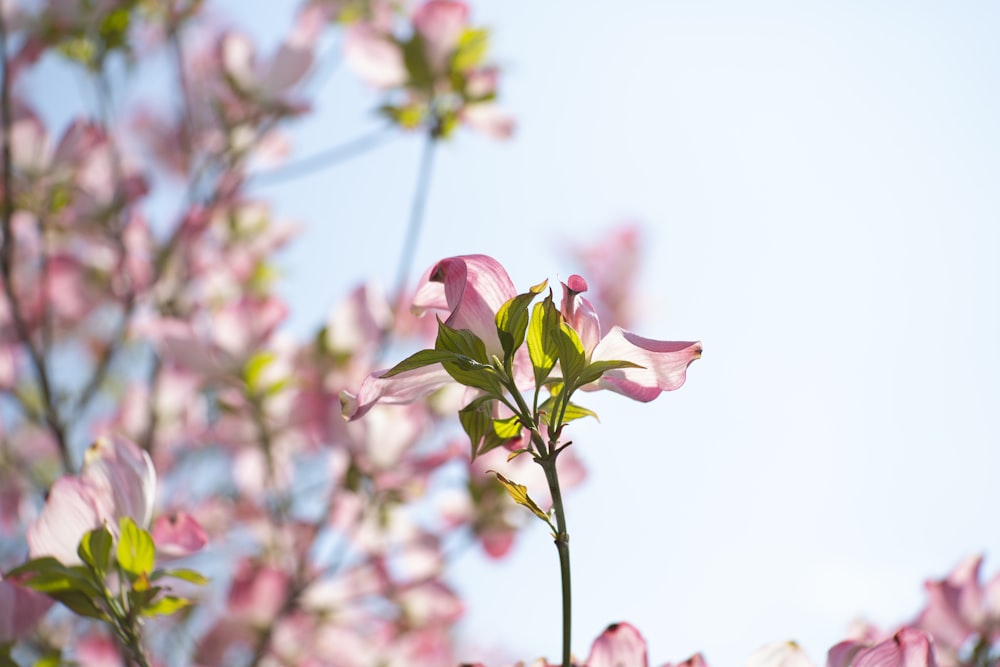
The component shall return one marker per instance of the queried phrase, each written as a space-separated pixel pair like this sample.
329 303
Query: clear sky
819 186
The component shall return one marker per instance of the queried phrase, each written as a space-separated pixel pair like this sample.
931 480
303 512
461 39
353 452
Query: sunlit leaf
508 428
95 549
596 369
512 319
519 493
471 50
572 411
419 360
136 551
542 347
165 606
477 421
187 575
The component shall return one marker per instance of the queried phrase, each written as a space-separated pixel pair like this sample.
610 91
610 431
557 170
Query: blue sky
818 185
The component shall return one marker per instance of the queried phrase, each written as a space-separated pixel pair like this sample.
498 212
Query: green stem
562 545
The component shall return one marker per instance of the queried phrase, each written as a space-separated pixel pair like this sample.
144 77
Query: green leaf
165 606
508 428
573 411
52 659
415 59
541 340
5 659
95 549
136 552
512 319
471 50
519 493
477 421
596 369
409 116
114 29
254 369
470 365
421 359
80 604
187 575
49 576
572 357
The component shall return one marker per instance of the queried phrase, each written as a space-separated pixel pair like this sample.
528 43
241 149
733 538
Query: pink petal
440 24
620 645
907 648
20 611
696 660
374 56
475 287
844 653
396 390
178 534
664 364
490 119
579 313
117 468
71 510
955 606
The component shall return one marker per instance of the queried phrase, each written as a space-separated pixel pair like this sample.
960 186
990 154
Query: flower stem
562 546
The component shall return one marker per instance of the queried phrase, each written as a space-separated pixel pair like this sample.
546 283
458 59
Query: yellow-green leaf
508 428
136 552
519 493
165 606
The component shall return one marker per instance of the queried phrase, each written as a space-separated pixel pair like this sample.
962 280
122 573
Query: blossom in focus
473 288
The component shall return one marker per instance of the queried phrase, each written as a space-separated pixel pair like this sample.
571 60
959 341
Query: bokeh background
818 188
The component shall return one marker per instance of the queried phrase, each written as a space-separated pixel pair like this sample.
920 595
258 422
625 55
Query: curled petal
475 287
117 469
579 312
620 645
396 390
664 364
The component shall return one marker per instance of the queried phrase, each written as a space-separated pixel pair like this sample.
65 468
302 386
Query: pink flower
472 288
620 645
959 607
20 610
440 24
907 648
663 364
117 480
178 534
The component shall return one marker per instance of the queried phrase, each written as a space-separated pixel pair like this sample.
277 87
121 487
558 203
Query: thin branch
6 261
323 160
416 213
